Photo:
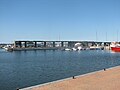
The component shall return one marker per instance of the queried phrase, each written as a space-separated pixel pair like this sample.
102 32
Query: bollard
104 69
73 77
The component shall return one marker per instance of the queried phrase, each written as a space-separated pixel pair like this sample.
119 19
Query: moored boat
8 48
115 47
67 49
74 49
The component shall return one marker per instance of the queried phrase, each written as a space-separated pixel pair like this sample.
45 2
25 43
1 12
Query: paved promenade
101 80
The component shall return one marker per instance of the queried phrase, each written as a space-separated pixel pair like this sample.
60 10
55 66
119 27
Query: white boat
8 48
79 48
96 48
67 49
74 49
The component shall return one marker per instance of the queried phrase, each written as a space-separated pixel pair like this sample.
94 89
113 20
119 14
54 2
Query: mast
117 35
96 36
106 36
59 37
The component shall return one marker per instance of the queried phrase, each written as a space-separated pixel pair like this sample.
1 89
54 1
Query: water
21 69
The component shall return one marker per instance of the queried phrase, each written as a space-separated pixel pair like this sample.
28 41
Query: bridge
44 44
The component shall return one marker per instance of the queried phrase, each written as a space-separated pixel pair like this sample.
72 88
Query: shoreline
49 84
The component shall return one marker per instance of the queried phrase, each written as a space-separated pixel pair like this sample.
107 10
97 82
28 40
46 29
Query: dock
50 44
106 79
54 45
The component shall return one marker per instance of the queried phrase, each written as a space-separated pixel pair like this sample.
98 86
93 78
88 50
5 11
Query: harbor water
20 69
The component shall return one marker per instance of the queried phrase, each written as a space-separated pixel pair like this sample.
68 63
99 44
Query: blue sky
67 19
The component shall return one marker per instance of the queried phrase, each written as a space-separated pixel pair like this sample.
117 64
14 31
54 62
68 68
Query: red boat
115 47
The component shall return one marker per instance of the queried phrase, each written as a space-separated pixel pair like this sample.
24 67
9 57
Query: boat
80 48
8 48
74 49
67 49
115 47
96 48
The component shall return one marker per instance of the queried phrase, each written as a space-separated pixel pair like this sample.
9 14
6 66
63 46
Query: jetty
55 45
106 79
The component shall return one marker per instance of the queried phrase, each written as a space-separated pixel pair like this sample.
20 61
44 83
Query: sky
83 20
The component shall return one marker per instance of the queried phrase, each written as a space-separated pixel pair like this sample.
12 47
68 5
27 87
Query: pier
54 45
27 45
